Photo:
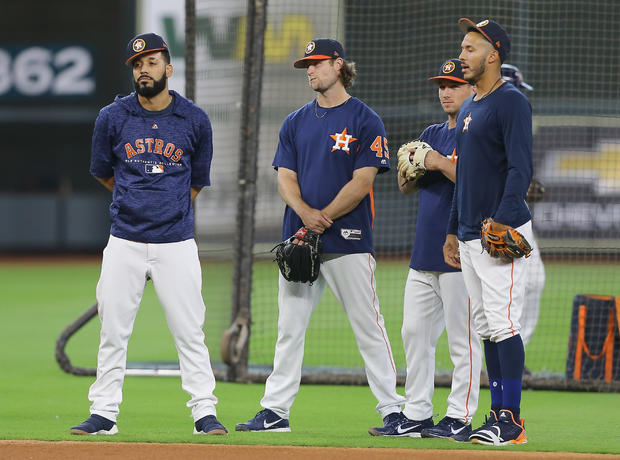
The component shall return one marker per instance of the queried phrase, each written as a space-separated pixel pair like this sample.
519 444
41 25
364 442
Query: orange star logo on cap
138 45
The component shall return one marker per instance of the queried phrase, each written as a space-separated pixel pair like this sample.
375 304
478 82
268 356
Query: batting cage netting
567 51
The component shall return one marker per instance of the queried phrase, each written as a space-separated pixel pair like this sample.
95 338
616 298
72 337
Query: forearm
435 161
350 196
195 191
289 189
107 182
291 194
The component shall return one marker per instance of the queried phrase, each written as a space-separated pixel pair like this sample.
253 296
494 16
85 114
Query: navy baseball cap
492 31
512 74
142 44
451 70
319 49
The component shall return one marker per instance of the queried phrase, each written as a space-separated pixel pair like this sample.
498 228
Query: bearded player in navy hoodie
153 150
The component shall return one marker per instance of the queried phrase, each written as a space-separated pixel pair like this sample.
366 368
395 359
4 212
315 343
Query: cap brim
459 80
466 24
300 64
143 52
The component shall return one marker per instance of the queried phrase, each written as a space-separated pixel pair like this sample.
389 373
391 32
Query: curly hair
348 73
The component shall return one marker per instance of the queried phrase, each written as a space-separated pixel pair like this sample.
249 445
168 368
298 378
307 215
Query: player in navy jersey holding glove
435 294
153 150
328 155
494 171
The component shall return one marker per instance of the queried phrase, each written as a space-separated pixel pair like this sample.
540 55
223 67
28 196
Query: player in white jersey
153 150
536 272
328 155
435 293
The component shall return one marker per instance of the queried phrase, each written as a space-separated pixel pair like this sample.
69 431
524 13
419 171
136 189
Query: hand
316 220
432 159
451 251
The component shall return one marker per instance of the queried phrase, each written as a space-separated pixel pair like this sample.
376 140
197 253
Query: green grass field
39 401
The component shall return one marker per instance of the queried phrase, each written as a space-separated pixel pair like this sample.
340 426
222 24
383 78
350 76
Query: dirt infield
41 450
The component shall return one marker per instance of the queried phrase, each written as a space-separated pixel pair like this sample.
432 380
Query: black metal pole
236 340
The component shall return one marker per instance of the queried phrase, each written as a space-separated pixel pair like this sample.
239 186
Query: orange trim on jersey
374 298
470 358
512 282
372 208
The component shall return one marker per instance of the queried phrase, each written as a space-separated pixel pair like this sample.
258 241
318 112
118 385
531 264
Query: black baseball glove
299 257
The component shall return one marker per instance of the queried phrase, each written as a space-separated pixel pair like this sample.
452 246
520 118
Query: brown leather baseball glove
507 244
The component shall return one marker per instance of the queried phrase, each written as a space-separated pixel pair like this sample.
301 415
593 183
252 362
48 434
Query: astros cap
450 70
492 31
319 49
512 74
142 44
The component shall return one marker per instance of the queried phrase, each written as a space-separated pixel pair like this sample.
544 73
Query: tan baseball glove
412 168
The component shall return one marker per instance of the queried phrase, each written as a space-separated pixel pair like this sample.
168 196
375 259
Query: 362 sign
51 71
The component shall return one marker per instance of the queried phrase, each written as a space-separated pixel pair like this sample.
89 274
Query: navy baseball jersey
494 171
155 157
434 204
324 147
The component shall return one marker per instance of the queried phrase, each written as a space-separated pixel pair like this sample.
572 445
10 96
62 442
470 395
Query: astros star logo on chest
467 121
342 140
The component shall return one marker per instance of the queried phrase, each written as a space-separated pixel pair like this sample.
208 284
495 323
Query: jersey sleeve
102 156
286 155
516 127
373 146
453 219
203 154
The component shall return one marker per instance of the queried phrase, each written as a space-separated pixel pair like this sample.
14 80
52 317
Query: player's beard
477 72
147 91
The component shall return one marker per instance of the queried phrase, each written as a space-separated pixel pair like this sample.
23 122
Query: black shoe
397 424
265 420
95 424
450 428
209 425
502 433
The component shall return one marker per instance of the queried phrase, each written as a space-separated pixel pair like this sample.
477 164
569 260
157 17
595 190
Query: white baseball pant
496 288
175 271
533 293
434 301
352 280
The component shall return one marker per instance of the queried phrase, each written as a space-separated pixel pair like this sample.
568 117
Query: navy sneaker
502 433
397 424
450 428
209 425
265 420
95 424
488 423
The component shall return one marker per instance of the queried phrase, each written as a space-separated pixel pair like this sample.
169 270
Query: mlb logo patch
154 169
351 233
